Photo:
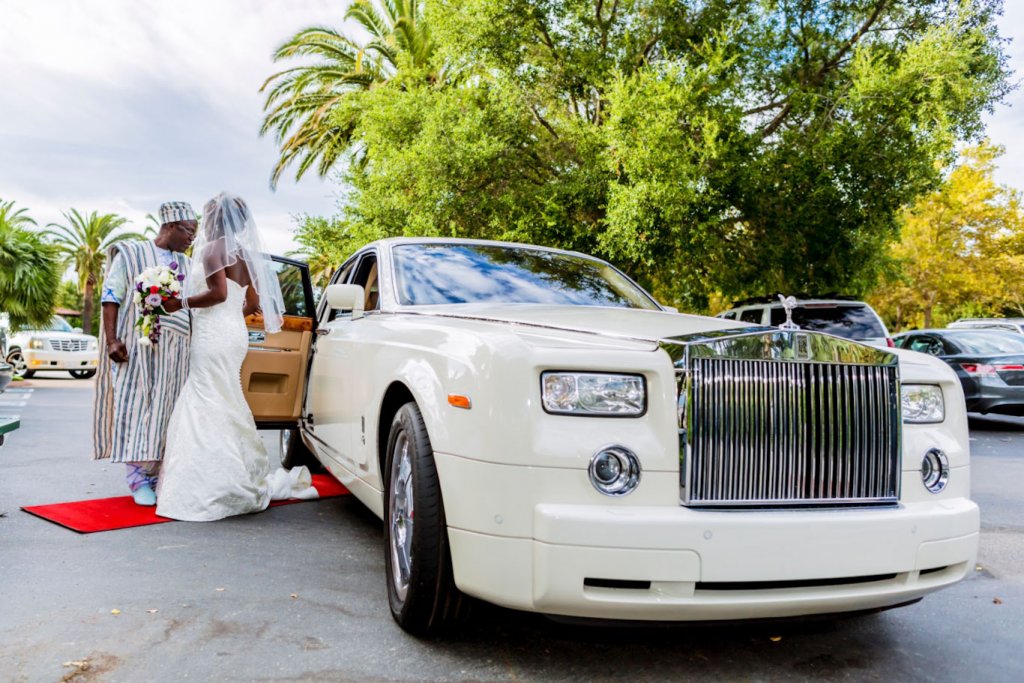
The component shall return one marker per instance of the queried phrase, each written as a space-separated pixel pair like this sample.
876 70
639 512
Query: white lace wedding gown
215 464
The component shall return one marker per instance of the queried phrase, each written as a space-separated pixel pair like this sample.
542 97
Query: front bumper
672 563
61 360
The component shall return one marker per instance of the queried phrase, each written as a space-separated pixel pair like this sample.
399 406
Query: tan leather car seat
372 290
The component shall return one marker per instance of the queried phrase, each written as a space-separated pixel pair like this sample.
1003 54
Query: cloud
121 104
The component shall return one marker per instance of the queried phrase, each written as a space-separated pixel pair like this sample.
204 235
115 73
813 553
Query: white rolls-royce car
537 432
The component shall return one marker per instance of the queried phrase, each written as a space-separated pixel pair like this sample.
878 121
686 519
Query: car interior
275 366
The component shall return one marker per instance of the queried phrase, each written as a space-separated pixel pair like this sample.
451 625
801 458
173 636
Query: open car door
275 367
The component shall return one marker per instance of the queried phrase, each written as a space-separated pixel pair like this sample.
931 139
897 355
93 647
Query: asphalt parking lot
296 593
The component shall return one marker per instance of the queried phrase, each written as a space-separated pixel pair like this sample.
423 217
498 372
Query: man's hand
172 305
117 351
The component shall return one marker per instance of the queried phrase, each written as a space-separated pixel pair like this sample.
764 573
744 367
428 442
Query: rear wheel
294 452
82 374
421 585
17 361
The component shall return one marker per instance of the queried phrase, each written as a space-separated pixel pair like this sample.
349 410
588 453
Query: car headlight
94 345
36 344
922 403
592 393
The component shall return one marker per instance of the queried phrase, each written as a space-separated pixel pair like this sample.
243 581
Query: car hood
629 323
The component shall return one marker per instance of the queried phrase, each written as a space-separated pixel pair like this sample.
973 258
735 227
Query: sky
119 105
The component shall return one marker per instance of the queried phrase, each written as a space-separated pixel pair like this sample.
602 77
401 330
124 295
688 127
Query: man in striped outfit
137 385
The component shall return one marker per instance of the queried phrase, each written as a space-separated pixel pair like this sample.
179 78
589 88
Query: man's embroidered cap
176 211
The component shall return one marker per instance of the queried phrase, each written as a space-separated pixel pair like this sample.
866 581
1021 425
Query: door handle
322 332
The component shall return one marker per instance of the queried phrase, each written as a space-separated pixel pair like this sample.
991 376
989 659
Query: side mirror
77 330
346 298
671 309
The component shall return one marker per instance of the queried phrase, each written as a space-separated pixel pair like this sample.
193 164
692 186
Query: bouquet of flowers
152 288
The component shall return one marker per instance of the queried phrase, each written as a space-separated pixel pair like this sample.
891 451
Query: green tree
733 146
306 105
961 249
83 241
29 269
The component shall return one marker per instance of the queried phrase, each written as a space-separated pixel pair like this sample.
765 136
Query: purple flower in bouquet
174 265
181 277
154 300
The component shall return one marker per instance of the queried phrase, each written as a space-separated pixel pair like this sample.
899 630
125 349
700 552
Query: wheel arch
395 396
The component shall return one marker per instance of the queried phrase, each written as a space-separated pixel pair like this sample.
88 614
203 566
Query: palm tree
301 101
83 242
29 269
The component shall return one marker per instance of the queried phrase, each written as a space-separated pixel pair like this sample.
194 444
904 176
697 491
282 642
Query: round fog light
935 470
614 471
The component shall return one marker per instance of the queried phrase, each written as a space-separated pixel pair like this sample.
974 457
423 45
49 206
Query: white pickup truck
57 347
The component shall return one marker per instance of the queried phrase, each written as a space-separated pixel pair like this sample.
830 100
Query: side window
292 288
339 278
752 315
366 276
925 344
296 286
731 315
948 347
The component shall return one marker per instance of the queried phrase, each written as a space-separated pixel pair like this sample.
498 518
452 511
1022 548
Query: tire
294 452
17 361
421 585
82 374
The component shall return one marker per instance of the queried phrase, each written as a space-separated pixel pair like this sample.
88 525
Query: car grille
787 433
68 344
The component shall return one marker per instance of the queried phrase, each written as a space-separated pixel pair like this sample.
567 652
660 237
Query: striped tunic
134 400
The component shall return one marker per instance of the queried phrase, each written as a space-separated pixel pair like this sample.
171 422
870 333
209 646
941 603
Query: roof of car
949 330
1012 321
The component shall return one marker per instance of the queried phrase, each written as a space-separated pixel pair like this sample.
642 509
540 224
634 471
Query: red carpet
107 514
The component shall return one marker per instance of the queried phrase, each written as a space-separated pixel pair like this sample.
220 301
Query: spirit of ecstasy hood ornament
788 303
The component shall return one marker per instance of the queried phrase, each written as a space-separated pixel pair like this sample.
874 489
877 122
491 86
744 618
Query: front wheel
421 586
294 452
82 374
20 368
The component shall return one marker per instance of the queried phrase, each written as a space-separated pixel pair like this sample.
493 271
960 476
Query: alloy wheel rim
17 361
286 441
400 515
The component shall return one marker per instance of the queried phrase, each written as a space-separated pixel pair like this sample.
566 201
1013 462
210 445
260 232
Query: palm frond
300 100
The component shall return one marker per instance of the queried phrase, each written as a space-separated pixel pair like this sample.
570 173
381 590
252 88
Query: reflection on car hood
620 322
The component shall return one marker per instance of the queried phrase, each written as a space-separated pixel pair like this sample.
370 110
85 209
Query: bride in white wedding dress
215 464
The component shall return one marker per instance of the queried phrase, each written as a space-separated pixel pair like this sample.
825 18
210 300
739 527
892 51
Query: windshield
474 273
988 343
58 324
852 321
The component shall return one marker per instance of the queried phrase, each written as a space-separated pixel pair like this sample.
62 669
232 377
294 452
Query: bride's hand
172 305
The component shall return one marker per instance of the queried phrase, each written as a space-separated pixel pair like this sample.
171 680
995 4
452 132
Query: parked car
6 375
1015 325
989 363
57 347
537 432
846 318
